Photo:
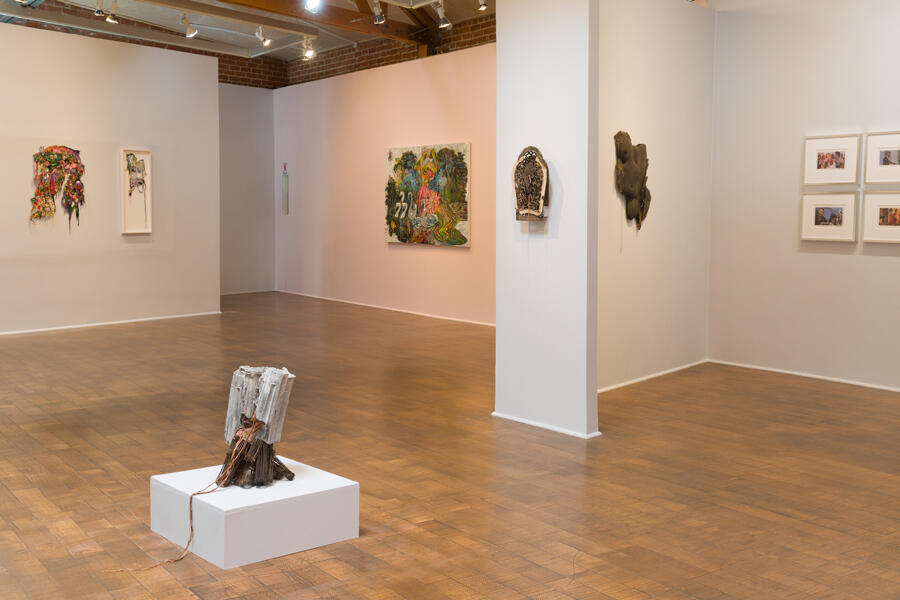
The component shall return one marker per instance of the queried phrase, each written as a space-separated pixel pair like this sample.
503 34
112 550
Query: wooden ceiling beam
363 6
420 17
333 16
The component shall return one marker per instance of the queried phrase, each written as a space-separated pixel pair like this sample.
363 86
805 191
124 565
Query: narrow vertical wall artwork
285 190
136 191
57 175
427 195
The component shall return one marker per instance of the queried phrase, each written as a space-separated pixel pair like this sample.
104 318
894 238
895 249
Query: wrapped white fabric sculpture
257 405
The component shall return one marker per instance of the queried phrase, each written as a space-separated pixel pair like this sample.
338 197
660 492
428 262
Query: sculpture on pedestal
257 405
631 177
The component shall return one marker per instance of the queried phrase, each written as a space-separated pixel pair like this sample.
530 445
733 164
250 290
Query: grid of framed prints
831 166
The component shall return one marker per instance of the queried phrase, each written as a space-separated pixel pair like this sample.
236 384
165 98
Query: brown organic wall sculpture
530 180
631 177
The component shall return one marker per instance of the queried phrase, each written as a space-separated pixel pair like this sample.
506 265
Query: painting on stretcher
427 195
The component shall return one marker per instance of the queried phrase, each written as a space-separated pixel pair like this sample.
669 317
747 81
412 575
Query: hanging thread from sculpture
57 173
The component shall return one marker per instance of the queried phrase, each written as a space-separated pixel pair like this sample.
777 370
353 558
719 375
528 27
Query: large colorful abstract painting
136 191
427 195
57 175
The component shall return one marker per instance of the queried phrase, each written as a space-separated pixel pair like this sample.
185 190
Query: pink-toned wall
334 135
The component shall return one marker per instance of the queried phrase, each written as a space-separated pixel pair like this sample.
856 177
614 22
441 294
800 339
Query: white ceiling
328 38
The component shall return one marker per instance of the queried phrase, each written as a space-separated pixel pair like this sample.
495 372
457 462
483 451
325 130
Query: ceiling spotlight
189 30
97 13
312 5
379 14
309 52
444 22
263 39
111 17
482 5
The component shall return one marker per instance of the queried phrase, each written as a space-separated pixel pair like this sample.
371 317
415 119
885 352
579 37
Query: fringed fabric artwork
57 175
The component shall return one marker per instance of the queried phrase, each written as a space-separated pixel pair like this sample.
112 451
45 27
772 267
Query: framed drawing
137 191
831 160
829 217
883 158
881 219
427 195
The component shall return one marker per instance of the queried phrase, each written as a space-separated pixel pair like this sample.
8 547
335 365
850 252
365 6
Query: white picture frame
137 191
829 217
881 218
883 157
831 160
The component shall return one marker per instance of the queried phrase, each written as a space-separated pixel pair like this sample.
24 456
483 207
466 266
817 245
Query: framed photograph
137 191
828 160
883 158
829 217
881 219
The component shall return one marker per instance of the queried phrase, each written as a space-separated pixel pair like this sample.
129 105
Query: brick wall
270 72
378 53
264 71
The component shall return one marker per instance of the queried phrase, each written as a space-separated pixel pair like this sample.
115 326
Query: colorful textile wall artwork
57 173
136 191
427 195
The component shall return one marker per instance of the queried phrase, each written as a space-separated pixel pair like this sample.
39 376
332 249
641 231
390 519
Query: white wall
246 150
98 96
808 68
654 283
334 135
546 272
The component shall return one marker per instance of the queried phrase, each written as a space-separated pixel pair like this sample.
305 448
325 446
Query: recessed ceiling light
312 5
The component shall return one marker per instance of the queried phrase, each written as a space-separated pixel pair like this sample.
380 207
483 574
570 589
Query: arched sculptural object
531 183
631 177
257 405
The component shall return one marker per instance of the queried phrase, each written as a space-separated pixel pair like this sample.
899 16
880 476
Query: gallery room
451 299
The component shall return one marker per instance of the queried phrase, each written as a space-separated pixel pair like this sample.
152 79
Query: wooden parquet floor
711 483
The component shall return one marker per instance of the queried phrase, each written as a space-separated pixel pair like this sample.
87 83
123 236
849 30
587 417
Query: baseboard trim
250 292
616 386
874 386
409 312
583 436
82 326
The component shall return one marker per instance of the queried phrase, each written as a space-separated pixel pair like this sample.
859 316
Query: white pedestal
235 526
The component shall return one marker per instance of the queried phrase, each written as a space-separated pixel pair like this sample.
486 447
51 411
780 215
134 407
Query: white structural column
547 96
